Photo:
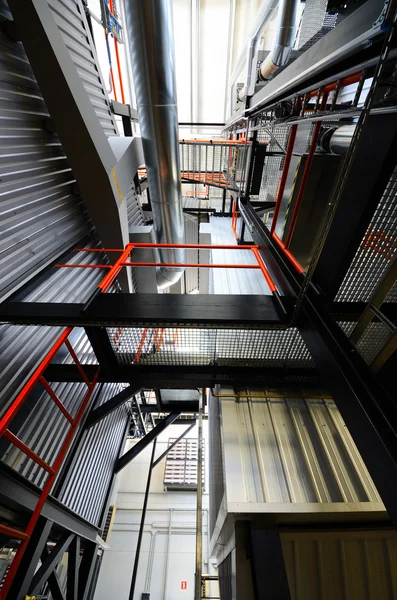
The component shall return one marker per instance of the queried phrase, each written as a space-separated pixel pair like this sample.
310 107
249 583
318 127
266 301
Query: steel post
141 526
199 514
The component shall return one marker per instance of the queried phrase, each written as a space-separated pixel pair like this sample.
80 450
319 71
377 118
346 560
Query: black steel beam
110 310
18 494
192 377
177 406
105 409
22 581
160 458
102 347
86 570
142 524
352 311
145 441
269 576
53 580
49 564
370 415
72 583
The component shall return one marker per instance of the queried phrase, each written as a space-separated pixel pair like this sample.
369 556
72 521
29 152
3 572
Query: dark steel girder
113 404
183 310
368 412
185 377
145 441
19 495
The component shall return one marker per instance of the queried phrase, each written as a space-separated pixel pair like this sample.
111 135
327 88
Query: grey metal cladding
72 23
21 348
40 217
93 465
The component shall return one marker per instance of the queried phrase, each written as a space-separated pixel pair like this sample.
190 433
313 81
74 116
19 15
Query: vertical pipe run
167 555
150 35
141 526
199 516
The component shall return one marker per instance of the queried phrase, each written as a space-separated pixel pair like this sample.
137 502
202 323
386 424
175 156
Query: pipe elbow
167 276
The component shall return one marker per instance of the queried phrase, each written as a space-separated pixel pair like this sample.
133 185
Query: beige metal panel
341 565
292 454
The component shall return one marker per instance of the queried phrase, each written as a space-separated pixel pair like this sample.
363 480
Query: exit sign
183 585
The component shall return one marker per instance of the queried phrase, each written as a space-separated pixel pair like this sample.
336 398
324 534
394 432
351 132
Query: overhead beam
192 377
145 441
129 310
108 407
164 454
177 406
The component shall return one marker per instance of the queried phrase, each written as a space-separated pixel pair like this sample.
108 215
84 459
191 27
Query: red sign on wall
183 585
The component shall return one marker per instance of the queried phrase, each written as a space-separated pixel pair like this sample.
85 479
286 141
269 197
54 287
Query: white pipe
167 556
285 38
265 13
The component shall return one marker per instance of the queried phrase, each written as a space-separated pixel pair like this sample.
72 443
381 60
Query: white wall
115 575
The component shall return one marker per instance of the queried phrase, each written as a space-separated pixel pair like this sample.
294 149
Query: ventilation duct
285 38
150 32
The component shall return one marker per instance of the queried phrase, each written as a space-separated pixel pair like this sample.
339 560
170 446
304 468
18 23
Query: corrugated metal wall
40 217
72 23
292 451
216 479
341 565
21 348
92 468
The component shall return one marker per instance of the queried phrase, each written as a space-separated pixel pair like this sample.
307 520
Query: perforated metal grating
372 340
181 466
213 163
222 347
377 249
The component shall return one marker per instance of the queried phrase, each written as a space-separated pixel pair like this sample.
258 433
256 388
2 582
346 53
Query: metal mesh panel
377 249
372 341
276 137
194 346
213 163
181 465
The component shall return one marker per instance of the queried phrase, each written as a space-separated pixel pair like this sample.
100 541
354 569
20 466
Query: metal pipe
285 38
199 515
140 534
151 43
167 556
339 142
265 12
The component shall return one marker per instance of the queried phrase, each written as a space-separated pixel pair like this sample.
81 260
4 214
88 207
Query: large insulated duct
150 33
265 13
285 38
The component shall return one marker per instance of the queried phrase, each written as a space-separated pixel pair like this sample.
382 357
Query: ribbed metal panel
216 480
290 452
226 575
191 256
341 564
71 20
39 216
21 348
92 468
234 281
134 209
